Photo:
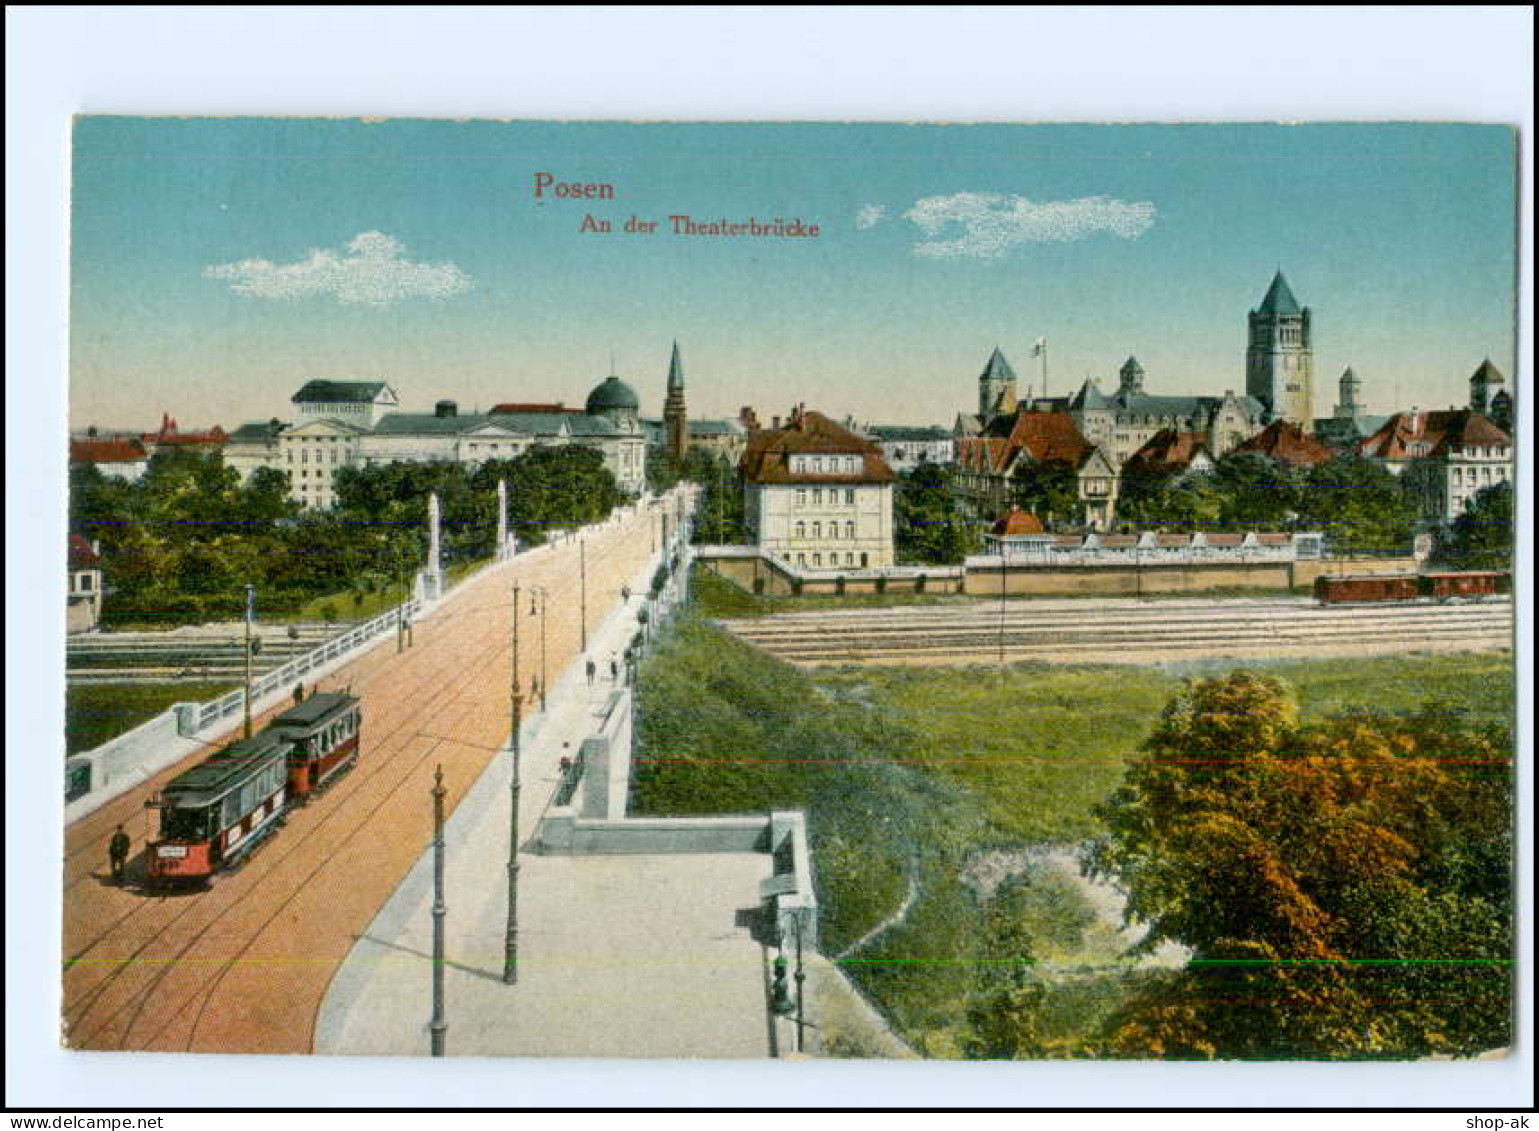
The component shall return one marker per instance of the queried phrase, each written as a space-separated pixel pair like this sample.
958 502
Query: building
1170 454
1149 548
1349 423
723 438
818 496
253 445
359 403
125 457
675 415
1279 360
1453 455
84 586
1489 397
172 437
905 448
1018 536
1128 419
986 464
1285 442
312 452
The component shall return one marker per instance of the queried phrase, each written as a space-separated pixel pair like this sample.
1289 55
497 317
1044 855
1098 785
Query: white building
905 448
312 452
818 496
359 403
254 444
1455 454
85 586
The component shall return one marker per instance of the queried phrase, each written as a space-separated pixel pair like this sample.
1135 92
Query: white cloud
989 224
870 215
372 270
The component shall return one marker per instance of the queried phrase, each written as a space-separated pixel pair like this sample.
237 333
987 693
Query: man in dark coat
117 853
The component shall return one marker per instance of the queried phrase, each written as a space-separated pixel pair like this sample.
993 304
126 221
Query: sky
218 264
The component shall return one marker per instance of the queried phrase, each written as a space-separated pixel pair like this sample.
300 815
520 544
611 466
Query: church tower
1350 387
1132 378
675 419
1485 383
996 388
1280 360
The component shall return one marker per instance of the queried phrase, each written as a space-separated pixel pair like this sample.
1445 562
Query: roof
81 556
767 458
257 432
1487 374
1049 437
896 432
315 708
1143 404
1412 435
107 451
1286 442
511 408
715 428
997 369
334 392
1279 298
610 393
1016 523
1167 450
1089 397
426 423
232 764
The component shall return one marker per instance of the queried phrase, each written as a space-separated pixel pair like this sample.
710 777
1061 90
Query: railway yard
243 965
1123 631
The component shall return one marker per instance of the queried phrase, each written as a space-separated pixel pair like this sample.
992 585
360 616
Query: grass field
908 775
95 712
373 603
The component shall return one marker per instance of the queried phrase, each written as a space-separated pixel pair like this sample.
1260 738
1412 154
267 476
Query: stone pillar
430 582
504 549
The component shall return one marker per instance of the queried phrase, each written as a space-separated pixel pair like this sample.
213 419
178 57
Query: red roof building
1288 443
1170 452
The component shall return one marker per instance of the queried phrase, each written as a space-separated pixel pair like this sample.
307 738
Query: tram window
184 824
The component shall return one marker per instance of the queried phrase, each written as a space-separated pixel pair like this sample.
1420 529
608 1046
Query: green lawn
95 712
346 608
909 772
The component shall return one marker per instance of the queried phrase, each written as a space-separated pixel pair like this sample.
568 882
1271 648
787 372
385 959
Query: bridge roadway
242 966
1121 630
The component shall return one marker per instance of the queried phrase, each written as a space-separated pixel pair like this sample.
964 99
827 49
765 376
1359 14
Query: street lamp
438 1026
510 940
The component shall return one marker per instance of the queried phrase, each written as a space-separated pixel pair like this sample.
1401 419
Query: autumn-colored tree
1343 887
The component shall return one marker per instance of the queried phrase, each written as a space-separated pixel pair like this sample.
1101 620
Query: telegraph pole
510 942
250 610
439 1026
801 976
544 611
400 609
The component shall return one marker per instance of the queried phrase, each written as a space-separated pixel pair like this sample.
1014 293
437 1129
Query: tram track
134 1004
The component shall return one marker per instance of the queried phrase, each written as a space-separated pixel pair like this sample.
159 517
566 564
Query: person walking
614 670
117 854
592 669
299 694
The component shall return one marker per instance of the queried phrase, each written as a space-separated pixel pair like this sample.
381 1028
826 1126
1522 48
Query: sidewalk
618 955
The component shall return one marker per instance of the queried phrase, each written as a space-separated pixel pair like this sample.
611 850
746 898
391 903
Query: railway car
1470 585
325 730
1366 588
216 812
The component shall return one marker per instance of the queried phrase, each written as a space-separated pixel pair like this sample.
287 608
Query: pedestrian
592 668
117 853
625 593
299 694
614 670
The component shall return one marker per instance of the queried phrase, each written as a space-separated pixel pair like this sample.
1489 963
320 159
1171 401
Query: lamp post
544 607
582 574
438 1026
400 608
510 941
250 611
801 977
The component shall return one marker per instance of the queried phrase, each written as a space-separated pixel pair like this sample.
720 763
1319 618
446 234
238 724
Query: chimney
445 409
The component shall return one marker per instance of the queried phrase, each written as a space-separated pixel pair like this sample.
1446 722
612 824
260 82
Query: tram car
1471 585
216 813
325 730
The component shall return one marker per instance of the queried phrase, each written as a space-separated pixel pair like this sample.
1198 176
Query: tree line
179 544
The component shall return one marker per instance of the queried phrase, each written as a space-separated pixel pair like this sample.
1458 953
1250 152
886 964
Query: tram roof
315 708
227 767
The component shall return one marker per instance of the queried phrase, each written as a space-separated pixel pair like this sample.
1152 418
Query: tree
720 517
1339 885
1255 492
1481 537
1167 502
1359 504
929 526
1048 490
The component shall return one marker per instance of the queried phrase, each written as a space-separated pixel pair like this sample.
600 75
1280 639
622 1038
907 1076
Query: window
817 561
817 496
849 496
801 498
801 530
817 530
849 531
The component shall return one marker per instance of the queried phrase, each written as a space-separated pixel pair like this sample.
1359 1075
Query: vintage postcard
605 589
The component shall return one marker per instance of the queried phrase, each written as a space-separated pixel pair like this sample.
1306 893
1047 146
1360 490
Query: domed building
617 402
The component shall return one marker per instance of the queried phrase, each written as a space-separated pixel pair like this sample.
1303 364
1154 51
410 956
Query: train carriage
219 810
1469 585
325 730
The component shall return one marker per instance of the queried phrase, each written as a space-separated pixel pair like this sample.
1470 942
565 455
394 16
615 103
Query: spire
998 369
1279 298
675 369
